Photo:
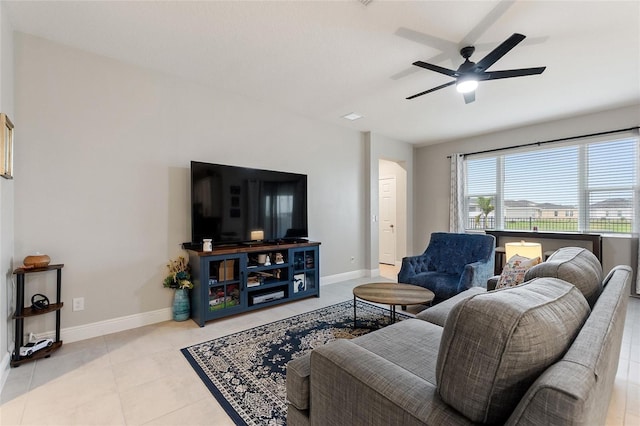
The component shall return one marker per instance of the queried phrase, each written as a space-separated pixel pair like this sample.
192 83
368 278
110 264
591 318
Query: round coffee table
391 294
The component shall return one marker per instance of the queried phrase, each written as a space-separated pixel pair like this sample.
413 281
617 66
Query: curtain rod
609 132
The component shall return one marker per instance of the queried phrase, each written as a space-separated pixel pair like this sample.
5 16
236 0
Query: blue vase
181 305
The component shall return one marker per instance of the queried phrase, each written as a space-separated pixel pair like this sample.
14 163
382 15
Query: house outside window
595 185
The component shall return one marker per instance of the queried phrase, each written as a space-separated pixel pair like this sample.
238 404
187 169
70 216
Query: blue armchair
451 264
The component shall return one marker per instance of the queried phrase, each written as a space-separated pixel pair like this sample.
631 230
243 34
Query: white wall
102 173
432 173
6 201
379 147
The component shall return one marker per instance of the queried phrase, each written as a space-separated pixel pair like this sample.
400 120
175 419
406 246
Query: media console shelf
234 279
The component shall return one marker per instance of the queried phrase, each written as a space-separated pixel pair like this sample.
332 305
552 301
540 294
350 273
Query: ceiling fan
470 73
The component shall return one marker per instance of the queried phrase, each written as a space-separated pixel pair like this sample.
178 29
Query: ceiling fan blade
486 47
499 52
469 97
404 73
440 57
436 68
486 23
523 72
442 86
426 39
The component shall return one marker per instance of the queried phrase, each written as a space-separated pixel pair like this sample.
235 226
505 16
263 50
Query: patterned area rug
246 371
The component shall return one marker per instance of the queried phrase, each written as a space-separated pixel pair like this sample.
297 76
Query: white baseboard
96 329
101 328
353 275
4 368
332 279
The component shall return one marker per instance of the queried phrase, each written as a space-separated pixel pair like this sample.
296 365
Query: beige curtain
456 200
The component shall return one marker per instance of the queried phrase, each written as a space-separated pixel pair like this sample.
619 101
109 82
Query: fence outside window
612 225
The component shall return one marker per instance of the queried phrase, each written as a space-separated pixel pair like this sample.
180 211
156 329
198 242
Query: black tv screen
236 204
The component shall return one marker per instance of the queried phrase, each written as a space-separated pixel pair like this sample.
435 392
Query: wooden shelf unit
229 280
22 312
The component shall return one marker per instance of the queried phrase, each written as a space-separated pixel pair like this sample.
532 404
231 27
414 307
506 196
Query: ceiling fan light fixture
466 86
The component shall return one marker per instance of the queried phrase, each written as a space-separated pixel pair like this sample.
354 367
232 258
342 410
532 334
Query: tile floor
139 377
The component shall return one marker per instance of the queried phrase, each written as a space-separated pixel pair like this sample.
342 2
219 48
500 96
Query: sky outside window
549 176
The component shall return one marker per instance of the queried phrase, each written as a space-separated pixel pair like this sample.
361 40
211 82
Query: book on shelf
299 283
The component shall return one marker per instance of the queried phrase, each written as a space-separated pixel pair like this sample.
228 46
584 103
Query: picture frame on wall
6 147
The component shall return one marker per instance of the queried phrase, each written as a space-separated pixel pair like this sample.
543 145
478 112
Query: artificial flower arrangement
179 276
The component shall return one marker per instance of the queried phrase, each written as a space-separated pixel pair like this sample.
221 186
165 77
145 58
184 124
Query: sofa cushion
438 314
576 265
494 345
411 344
514 271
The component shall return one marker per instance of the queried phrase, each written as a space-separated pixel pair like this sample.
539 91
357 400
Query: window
588 187
481 194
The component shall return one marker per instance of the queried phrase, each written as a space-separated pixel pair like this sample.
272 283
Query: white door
387 224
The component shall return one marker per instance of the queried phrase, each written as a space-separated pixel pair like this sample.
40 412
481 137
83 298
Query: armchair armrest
476 274
344 374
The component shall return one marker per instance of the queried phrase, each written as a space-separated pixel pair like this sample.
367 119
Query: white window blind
577 187
480 195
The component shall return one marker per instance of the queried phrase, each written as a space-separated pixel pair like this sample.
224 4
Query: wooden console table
594 239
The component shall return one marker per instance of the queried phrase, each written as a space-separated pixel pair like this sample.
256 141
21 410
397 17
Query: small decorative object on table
32 347
37 260
179 278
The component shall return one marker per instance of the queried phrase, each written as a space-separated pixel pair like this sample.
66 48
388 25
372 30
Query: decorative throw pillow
514 270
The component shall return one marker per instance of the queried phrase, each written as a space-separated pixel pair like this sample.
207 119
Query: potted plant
179 279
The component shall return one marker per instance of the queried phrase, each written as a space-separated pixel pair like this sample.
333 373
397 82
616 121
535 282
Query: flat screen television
237 204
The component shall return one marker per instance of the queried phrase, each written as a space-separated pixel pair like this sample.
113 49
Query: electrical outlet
78 304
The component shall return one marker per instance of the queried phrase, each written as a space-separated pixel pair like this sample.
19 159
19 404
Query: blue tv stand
235 279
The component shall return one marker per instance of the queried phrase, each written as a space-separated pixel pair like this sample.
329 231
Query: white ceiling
326 59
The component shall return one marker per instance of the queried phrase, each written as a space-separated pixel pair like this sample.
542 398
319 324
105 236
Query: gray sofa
528 355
